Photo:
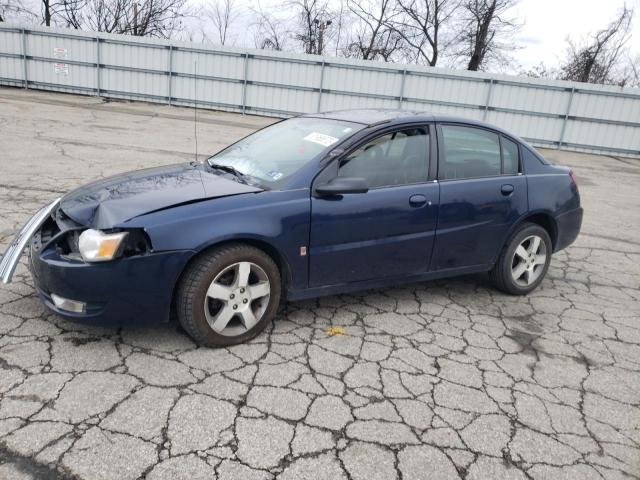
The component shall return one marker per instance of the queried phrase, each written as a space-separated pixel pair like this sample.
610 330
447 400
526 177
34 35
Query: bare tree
541 70
51 11
373 38
16 10
47 11
313 18
485 32
270 32
151 18
633 68
420 24
155 18
597 59
222 13
339 28
55 9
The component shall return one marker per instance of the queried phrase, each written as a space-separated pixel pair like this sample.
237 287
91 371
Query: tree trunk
47 13
474 62
485 17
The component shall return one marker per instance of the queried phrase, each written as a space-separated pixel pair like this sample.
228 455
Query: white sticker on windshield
321 138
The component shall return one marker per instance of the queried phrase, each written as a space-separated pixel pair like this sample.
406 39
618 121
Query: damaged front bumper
126 291
137 288
14 251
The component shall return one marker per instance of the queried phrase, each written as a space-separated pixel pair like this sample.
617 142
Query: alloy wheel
237 298
528 260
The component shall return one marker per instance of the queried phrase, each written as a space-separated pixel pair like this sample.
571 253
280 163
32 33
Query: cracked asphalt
439 380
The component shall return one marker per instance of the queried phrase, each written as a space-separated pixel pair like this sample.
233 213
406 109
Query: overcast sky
549 22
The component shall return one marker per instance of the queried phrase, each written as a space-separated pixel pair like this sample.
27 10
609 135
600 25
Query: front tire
228 295
524 260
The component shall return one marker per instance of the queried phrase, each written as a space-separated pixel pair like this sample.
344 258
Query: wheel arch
546 221
542 218
501 272
269 249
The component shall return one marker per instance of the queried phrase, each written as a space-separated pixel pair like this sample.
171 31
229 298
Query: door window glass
469 153
396 158
510 156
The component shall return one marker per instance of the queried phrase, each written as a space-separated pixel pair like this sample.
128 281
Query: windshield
276 152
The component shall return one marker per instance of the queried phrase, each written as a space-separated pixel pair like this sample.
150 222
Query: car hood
111 201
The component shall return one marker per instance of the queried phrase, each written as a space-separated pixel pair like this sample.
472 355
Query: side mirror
343 185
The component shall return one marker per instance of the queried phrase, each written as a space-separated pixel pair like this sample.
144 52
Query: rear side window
469 152
510 157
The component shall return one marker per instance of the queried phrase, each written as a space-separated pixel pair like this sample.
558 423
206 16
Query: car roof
373 116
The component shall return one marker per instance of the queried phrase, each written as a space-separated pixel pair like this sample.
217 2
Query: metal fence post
321 84
97 66
169 93
24 58
566 117
404 78
488 100
244 82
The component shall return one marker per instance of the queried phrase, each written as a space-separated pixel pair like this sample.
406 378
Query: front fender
279 219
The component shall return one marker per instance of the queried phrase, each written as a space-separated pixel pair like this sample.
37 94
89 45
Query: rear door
482 193
386 232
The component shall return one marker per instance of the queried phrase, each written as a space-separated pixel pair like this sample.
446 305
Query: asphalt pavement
436 380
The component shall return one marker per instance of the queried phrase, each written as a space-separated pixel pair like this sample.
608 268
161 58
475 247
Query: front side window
469 152
276 152
396 158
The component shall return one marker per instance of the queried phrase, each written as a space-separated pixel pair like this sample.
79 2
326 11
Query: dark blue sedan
315 205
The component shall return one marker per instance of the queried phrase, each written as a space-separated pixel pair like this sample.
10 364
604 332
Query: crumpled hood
111 201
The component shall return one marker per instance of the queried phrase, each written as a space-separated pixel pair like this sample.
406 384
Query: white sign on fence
61 68
59 52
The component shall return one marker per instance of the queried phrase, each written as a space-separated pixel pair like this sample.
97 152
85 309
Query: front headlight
97 246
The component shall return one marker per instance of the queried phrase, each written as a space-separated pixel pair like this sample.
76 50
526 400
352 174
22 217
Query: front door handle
507 189
417 200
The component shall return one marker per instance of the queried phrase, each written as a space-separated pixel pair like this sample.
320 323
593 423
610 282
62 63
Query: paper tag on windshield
321 139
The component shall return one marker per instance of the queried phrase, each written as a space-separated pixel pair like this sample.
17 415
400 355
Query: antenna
195 105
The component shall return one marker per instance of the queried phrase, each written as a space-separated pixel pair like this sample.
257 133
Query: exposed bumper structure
134 289
13 253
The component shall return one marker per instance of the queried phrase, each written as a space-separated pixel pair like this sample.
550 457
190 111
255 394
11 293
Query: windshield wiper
244 178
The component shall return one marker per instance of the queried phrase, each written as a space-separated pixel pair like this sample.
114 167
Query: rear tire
228 295
523 261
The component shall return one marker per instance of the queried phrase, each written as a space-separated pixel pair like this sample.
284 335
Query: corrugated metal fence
575 116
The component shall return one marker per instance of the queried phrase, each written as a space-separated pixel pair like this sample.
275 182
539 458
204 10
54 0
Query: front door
386 232
482 194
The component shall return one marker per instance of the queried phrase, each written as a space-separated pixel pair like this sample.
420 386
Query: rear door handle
507 189
417 200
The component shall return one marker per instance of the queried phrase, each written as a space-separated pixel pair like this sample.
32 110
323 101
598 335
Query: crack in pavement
27 466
